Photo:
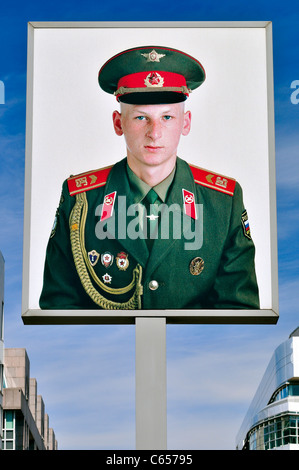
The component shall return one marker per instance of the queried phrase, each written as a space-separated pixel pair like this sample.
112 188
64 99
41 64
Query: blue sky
86 374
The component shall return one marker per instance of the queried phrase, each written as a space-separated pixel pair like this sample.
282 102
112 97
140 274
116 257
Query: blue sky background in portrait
86 374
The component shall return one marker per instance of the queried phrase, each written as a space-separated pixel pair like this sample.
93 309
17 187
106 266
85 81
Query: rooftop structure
25 423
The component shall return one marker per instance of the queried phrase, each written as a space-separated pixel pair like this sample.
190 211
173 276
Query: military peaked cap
151 75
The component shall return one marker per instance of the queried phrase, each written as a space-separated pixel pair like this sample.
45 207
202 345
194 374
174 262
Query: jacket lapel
137 248
162 246
118 181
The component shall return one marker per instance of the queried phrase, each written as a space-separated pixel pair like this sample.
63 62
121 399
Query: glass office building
272 420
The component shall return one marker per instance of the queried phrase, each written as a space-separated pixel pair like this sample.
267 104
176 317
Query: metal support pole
151 401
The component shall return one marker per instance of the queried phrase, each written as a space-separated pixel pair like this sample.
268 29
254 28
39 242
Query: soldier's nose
154 130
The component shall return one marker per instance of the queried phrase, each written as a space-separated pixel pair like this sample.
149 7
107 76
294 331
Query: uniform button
153 285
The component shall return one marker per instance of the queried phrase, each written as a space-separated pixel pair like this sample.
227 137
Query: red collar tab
221 183
86 181
108 206
189 204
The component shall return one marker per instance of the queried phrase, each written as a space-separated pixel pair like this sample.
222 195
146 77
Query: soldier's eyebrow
139 111
164 111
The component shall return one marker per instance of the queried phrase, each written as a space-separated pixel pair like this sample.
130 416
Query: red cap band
152 81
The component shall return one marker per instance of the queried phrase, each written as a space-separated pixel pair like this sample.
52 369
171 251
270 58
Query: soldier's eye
167 118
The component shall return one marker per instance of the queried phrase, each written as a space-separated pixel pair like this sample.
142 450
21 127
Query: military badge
189 204
93 257
107 259
153 56
196 266
245 224
122 261
107 278
154 79
108 206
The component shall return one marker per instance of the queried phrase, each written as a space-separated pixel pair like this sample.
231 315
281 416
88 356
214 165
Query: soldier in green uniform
113 245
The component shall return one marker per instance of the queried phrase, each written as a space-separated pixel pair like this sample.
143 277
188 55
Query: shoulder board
89 180
213 180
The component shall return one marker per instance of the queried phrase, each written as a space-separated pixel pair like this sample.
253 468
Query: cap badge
154 79
93 257
196 266
122 261
107 259
153 56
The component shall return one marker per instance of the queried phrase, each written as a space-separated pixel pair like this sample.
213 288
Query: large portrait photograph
150 173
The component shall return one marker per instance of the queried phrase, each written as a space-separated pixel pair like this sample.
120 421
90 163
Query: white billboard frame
31 314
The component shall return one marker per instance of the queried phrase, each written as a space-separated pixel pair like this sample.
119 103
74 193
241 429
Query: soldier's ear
187 123
116 116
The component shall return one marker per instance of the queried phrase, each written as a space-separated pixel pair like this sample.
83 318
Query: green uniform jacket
76 278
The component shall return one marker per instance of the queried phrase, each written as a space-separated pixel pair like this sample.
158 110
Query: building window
276 432
289 389
4 382
9 429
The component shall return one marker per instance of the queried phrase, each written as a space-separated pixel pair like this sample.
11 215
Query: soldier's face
152 132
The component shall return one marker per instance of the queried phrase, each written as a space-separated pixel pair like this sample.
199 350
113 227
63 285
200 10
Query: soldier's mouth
152 148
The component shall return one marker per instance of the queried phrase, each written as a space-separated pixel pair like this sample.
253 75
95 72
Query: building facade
25 423
272 420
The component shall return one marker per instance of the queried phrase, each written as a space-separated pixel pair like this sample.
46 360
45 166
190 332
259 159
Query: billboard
85 258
